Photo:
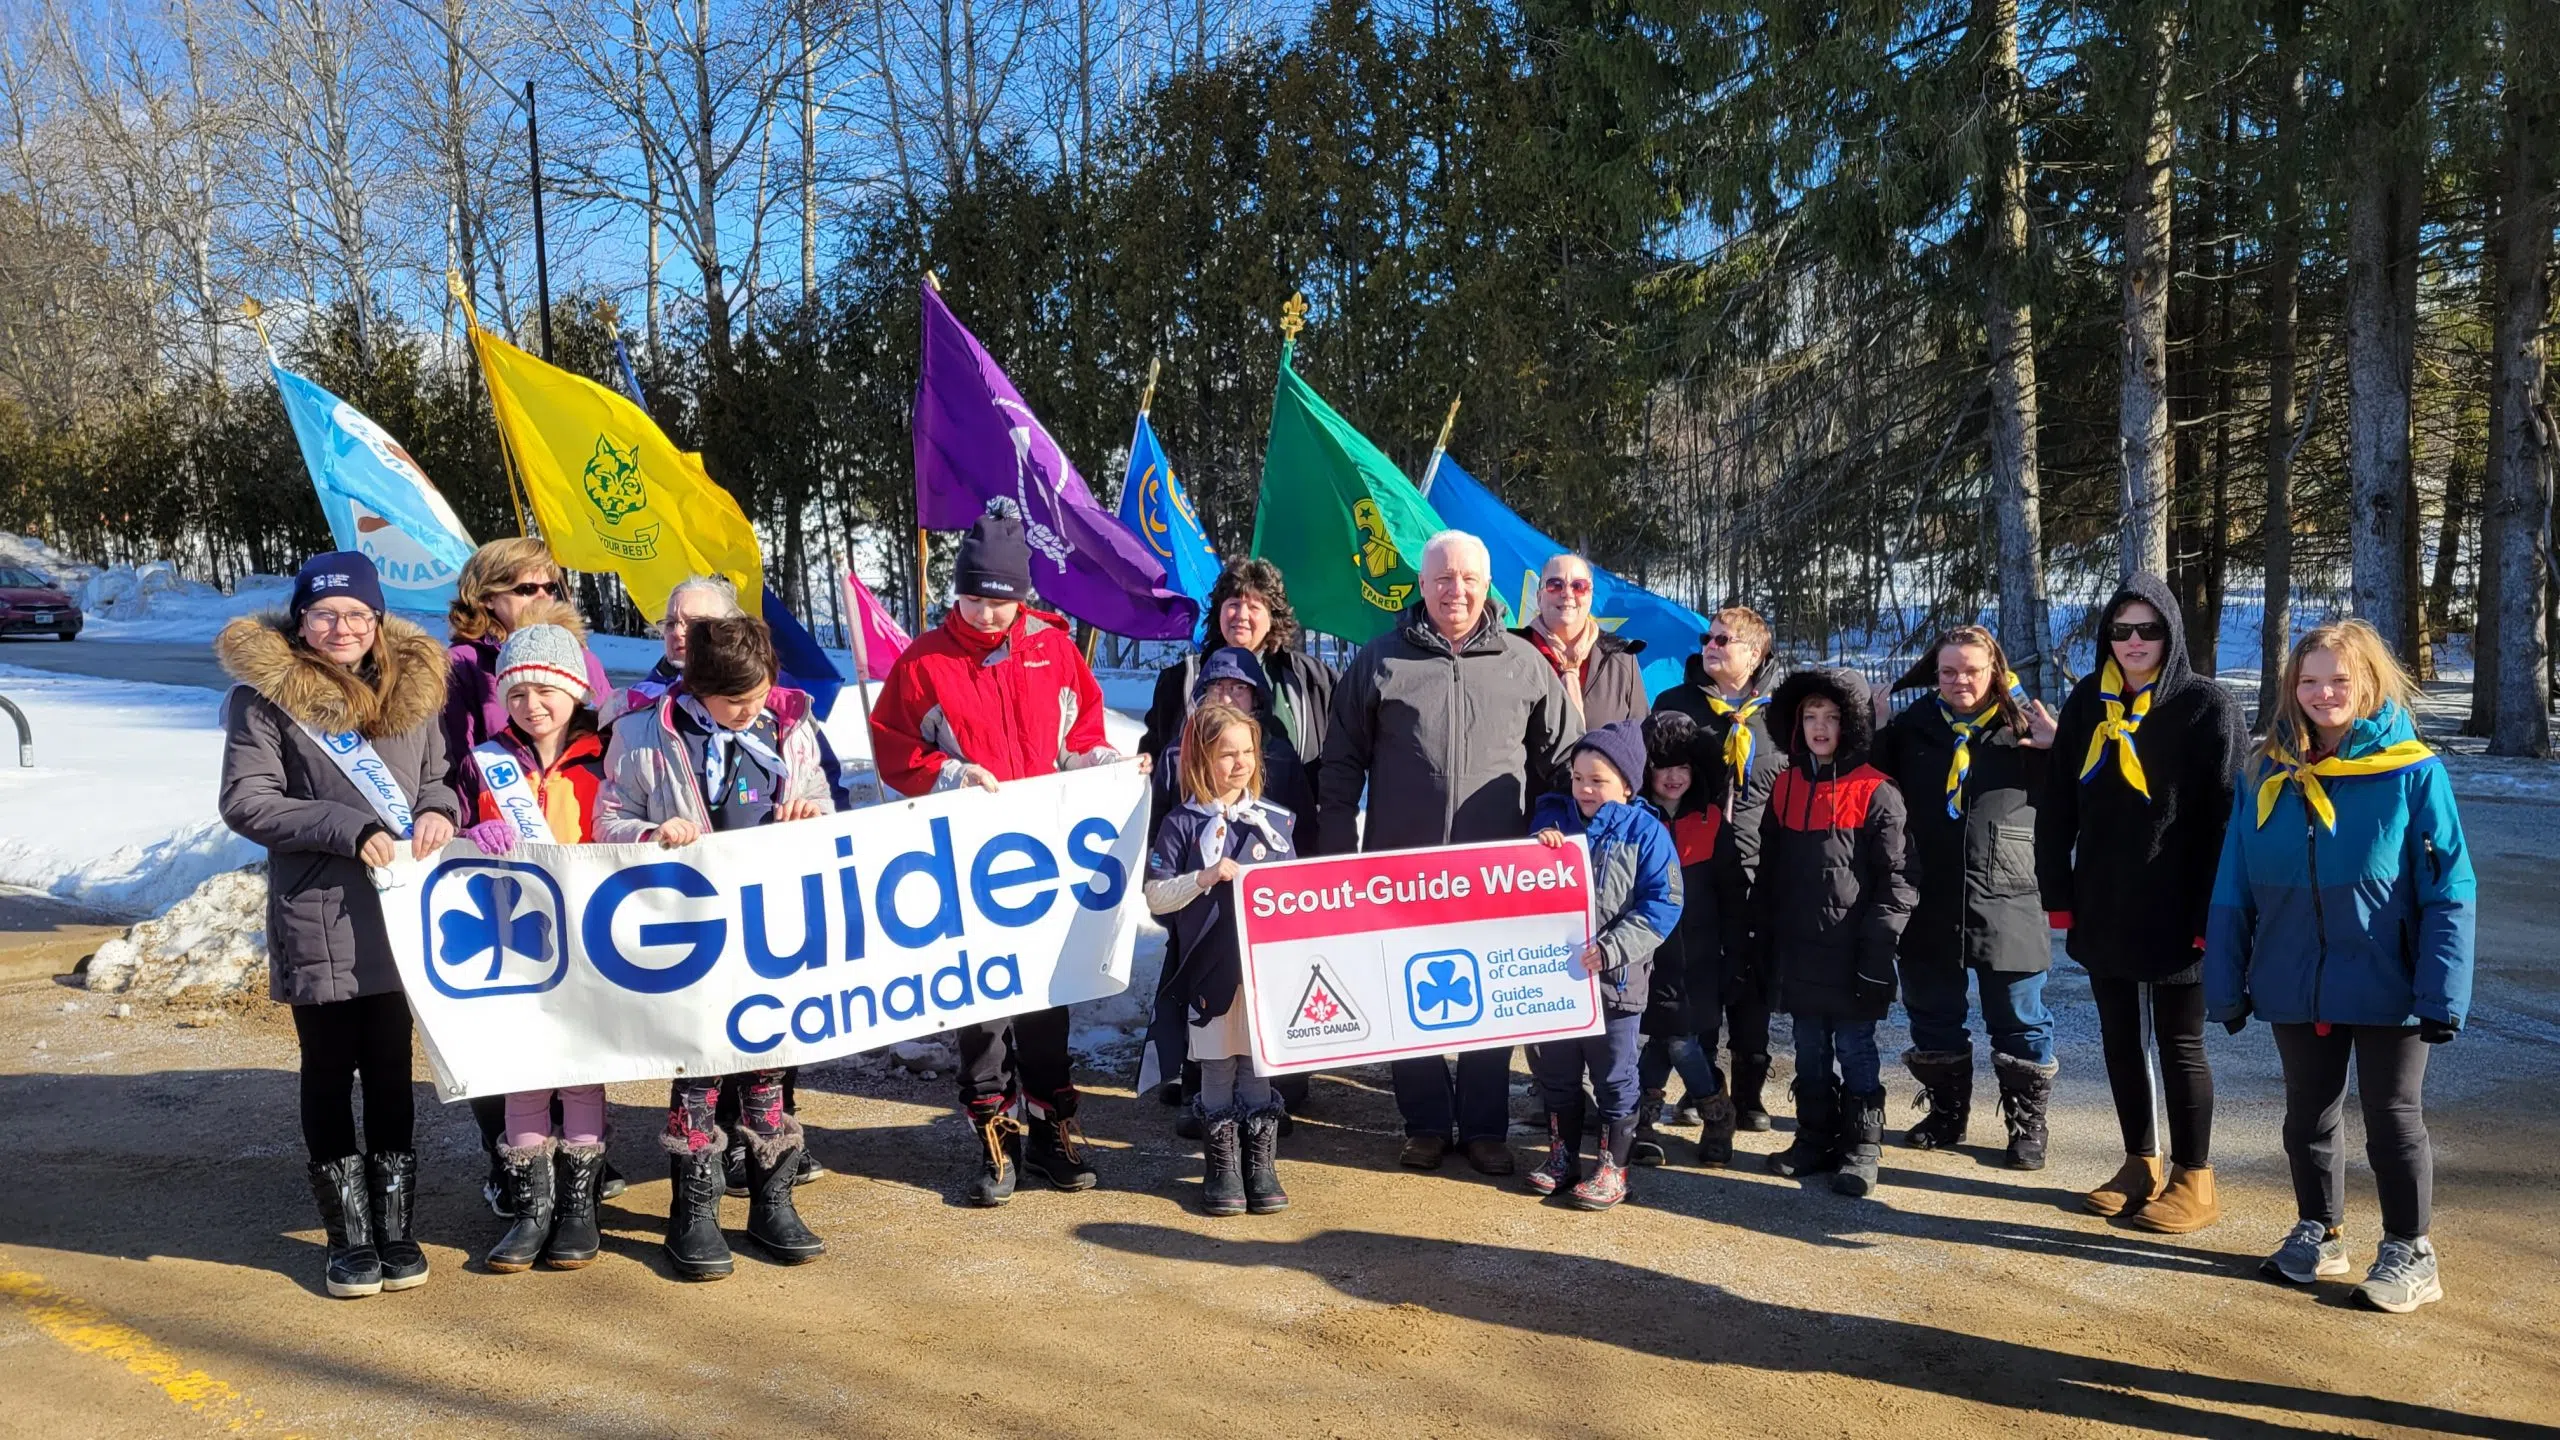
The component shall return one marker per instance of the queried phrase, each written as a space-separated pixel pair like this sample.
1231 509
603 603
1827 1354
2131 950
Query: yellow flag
611 491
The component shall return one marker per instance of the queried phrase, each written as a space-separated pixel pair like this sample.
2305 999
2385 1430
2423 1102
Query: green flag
1336 515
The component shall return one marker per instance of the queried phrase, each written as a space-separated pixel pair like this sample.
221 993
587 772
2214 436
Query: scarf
2308 775
721 746
1247 812
1962 766
2121 724
1571 655
1737 738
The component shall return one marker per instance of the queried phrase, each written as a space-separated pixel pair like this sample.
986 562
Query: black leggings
2391 1073
367 1036
2186 1082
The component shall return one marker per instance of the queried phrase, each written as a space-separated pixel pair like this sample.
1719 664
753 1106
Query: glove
2436 1032
1871 991
2239 1022
494 837
2058 920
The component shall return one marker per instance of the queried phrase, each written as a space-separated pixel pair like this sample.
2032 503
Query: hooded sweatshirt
2135 873
1745 795
1834 888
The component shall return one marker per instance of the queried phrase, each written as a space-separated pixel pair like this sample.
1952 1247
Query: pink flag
877 639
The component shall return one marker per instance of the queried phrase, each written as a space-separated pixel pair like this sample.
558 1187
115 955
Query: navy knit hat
994 563
339 572
1621 744
1232 662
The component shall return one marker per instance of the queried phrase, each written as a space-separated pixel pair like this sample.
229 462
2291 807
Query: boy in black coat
1827 911
1684 782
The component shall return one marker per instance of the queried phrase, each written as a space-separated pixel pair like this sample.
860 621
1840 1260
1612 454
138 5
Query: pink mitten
494 837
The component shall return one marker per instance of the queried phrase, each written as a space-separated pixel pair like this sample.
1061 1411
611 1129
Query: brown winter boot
2130 1188
2185 1206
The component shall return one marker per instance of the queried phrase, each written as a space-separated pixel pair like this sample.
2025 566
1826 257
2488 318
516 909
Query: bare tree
2143 420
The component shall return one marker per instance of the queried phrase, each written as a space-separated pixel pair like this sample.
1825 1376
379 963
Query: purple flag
976 440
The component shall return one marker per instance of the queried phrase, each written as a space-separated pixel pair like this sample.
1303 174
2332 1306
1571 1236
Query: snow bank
214 940
36 555
154 602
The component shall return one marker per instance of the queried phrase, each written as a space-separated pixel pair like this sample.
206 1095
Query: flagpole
861 655
924 553
541 251
1147 401
1440 447
506 452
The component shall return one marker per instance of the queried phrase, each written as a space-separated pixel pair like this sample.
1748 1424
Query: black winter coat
1743 802
2136 875
1305 684
1976 875
1834 887
1690 971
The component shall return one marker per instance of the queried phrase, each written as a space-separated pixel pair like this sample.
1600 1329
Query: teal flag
377 501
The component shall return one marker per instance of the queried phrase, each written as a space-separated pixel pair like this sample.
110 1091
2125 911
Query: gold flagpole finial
933 280
1147 402
461 294
256 315
1293 317
1447 427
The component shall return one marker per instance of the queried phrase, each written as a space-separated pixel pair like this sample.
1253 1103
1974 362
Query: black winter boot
1817 1120
391 1182
2026 1089
1716 1121
1861 1143
577 1182
734 1180
1750 1074
695 1246
1056 1150
1222 1164
999 1138
1946 1092
1262 1192
773 1221
530 1198
346 1214
1648 1147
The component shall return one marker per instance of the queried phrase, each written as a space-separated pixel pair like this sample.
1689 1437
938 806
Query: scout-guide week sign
576 964
1354 959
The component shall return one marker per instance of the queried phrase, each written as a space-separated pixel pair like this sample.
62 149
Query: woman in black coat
2126 846
1971 761
1249 609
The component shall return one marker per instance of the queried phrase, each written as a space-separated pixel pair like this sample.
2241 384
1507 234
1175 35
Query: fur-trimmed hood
403 690
1842 687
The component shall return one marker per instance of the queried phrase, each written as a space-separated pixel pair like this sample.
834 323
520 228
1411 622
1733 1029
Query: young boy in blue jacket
1636 894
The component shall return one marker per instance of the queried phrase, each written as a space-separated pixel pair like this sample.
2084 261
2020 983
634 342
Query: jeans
1609 1058
2013 1011
1851 1043
1663 1054
367 1036
2391 1073
1477 1100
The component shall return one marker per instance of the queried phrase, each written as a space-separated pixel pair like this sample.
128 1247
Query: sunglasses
1557 585
2154 631
1717 640
532 588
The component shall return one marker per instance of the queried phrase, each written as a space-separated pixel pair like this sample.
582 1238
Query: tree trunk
2518 485
2283 299
2009 325
2457 516
2382 302
2142 425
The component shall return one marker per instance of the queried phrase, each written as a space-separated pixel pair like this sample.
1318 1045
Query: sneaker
809 1168
493 1191
2403 1276
2309 1253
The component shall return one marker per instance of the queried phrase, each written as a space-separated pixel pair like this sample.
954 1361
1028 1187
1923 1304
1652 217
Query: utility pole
541 250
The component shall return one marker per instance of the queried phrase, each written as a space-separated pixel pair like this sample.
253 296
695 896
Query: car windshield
18 577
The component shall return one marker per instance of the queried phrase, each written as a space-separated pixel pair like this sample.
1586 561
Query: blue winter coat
1635 889
2369 925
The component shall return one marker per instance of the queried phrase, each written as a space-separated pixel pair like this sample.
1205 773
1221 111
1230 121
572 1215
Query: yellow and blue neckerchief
2316 795
2123 721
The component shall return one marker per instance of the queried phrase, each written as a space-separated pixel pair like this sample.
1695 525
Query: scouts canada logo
1377 556
1323 1014
613 486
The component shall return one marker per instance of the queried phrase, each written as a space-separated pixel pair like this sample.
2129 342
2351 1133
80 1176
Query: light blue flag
376 498
1153 505
1669 631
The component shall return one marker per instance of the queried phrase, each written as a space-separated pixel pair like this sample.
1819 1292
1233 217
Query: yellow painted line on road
82 1327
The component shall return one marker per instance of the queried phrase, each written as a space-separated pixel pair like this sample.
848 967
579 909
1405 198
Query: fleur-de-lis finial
1293 316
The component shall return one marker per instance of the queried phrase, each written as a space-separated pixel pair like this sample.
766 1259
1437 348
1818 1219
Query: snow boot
1262 1192
1648 1149
1607 1184
809 1167
695 1246
999 1158
1946 1093
2185 1205
1222 1161
391 1183
773 1221
2135 1184
346 1217
530 1196
2026 1089
577 1180
734 1180
611 1185
1056 1150
1716 1121
1750 1074
1817 1115
1564 1150
1861 1144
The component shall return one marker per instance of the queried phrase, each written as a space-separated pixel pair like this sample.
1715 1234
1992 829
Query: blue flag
377 500
1669 631
1153 504
806 664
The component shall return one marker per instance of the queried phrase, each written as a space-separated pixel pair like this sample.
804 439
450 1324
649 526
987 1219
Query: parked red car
32 605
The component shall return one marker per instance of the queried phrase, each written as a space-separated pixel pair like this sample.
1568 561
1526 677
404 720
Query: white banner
1353 959
782 945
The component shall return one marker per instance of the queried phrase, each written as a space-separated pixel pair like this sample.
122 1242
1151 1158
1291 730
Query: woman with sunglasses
1602 677
2128 837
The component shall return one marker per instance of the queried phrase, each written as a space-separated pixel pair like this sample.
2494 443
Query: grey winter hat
544 655
995 562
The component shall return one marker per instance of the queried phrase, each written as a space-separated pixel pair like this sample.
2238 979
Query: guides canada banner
783 945
1354 959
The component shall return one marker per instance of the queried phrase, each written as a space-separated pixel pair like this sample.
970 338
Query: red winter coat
1022 704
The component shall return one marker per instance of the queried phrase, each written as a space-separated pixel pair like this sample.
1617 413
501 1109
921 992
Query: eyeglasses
2154 631
532 588
1557 585
354 622
1717 640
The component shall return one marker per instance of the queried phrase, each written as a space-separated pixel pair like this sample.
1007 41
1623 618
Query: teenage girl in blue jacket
2342 916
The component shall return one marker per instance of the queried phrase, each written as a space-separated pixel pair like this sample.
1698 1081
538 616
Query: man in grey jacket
1454 726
